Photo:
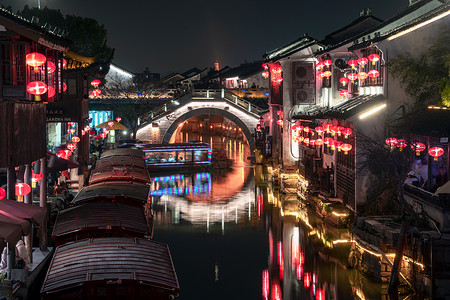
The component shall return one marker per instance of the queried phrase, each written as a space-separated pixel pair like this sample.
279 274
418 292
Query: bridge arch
204 111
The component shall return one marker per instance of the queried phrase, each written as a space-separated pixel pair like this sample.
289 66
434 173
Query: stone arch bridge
164 120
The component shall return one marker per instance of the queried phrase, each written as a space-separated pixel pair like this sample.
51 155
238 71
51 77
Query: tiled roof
301 43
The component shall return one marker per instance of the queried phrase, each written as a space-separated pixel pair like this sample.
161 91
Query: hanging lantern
373 74
320 65
362 61
328 141
105 131
2 193
83 132
35 60
306 129
50 67
111 123
343 80
327 62
343 93
95 82
346 132
71 124
51 92
118 119
436 152
326 127
72 130
418 147
65 154
71 146
280 122
265 74
36 177
319 142
312 142
36 88
339 130
374 58
75 139
337 145
87 128
103 135
333 129
362 75
96 92
91 132
319 75
352 77
22 189
391 142
277 80
346 148
64 87
306 141
353 63
64 63
97 137
327 74
319 130
401 143
277 70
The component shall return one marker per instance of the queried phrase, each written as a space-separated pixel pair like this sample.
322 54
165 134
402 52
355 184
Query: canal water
233 236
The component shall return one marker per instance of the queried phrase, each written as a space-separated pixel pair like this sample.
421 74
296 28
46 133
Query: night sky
174 36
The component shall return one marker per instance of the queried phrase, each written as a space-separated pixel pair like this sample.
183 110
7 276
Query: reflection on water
234 237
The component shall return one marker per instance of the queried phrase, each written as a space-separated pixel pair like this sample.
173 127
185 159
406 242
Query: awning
13 228
56 163
24 211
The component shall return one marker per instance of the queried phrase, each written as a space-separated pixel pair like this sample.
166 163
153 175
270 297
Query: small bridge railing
206 94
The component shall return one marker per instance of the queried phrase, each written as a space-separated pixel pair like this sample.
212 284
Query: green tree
427 77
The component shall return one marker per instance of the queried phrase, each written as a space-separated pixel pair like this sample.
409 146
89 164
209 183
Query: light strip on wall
418 26
372 111
121 71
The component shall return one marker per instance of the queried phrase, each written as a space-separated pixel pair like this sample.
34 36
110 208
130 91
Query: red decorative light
319 75
36 88
280 113
319 130
339 130
343 80
353 63
265 74
50 67
373 73
306 129
265 66
328 141
2 193
71 146
65 154
436 152
320 65
64 63
418 147
103 135
95 82
277 70
327 62
320 294
401 143
327 74
391 142
91 132
346 148
36 177
306 141
105 131
362 75
96 92
111 123
280 122
312 142
97 137
64 87
118 119
307 280
337 145
374 58
72 130
343 93
35 60
326 127
75 139
333 129
319 142
352 76
22 189
346 132
51 92
362 61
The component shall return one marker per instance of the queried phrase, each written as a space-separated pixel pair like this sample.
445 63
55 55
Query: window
375 67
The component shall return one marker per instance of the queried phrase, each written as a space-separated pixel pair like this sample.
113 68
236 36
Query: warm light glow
353 63
36 88
35 59
372 111
436 152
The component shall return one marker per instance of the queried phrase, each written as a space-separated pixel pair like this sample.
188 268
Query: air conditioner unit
303 72
304 96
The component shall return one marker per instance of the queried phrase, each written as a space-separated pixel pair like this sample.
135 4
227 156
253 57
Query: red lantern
111 123
51 92
75 139
333 129
327 62
352 76
319 75
312 142
319 142
418 147
64 154
346 148
280 122
326 127
346 132
306 141
362 75
91 132
105 131
320 65
401 143
50 67
35 60
391 142
319 130
96 92
374 58
64 63
436 152
339 130
338 145
2 193
95 82
306 129
265 74
373 73
72 130
343 80
22 189
71 147
64 87
343 93
36 177
36 88
71 124
362 61
353 63
97 137
328 141
265 66
277 70
103 135
327 74
118 119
